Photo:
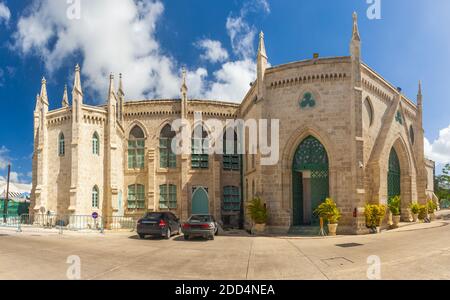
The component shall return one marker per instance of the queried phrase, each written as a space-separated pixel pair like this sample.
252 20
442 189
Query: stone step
304 230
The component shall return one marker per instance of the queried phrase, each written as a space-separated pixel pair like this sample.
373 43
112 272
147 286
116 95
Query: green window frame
136 149
95 144
61 145
231 159
95 197
200 147
231 199
136 196
167 158
168 196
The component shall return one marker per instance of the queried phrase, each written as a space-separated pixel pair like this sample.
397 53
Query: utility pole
5 204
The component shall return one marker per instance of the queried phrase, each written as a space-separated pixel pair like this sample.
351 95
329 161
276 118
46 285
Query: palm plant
257 211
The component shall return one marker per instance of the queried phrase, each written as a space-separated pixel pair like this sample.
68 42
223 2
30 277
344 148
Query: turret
65 99
121 98
355 52
261 66
184 97
77 97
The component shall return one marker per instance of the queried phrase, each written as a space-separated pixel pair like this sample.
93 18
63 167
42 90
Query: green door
394 175
310 180
200 202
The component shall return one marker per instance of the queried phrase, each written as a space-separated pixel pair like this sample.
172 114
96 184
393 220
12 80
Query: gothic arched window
167 158
95 144
231 158
95 197
61 145
200 148
136 148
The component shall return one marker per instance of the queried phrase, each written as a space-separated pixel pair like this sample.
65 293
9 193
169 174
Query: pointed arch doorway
394 175
200 202
310 180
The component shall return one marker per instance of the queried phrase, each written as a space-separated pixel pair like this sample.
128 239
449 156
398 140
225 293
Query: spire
38 103
261 46
261 65
65 100
77 82
43 95
120 91
111 84
355 33
184 87
419 95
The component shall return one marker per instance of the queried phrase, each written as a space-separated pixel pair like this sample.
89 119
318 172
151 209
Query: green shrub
329 211
431 206
423 212
415 208
258 211
374 215
394 205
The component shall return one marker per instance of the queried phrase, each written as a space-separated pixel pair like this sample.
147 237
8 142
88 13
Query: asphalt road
419 251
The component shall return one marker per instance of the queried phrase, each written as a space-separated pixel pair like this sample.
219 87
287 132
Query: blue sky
149 41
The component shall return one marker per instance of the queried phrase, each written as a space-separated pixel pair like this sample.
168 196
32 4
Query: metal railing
68 222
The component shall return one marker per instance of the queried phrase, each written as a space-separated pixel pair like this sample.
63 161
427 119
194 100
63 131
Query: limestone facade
356 115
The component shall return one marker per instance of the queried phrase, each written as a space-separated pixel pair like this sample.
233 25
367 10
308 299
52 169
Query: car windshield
200 219
153 216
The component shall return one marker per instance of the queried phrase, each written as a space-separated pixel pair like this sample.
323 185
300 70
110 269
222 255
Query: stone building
344 132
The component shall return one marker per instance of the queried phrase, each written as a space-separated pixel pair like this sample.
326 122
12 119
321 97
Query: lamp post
5 204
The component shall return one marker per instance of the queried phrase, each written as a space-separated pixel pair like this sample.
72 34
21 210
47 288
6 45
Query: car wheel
186 238
141 236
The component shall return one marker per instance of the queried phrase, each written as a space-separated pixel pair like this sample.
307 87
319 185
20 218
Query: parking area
418 252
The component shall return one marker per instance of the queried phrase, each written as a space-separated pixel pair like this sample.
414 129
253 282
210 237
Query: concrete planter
415 218
332 229
433 217
259 228
395 221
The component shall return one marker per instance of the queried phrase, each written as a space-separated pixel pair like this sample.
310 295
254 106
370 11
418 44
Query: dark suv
163 224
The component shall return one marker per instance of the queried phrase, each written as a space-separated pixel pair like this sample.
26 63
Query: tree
443 183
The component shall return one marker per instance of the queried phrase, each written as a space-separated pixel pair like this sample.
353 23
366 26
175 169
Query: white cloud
5 14
233 80
4 159
439 150
214 52
119 36
112 36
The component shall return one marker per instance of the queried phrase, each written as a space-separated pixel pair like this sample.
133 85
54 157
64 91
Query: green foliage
394 205
442 183
431 206
329 211
423 212
258 211
415 208
374 215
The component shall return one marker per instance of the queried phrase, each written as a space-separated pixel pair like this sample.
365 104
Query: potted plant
394 207
431 206
415 209
375 214
329 211
423 212
258 214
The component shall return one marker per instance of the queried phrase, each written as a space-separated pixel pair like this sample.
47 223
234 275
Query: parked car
163 224
200 225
